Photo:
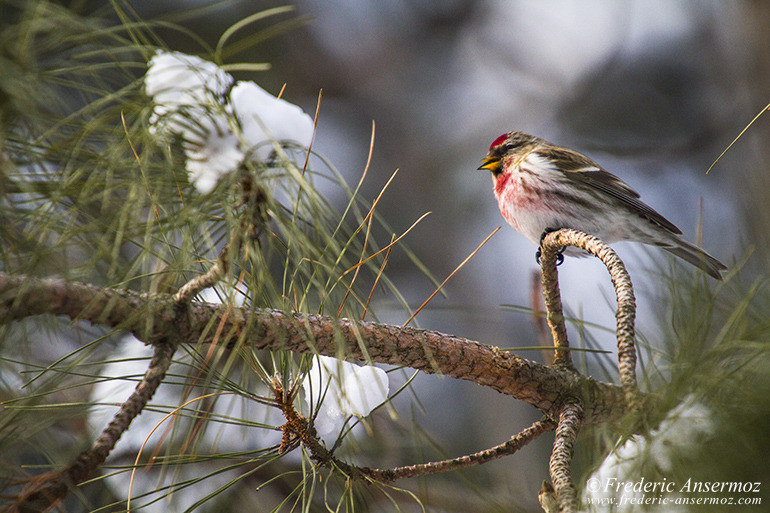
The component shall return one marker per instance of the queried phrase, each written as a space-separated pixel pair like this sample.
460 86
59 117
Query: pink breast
514 198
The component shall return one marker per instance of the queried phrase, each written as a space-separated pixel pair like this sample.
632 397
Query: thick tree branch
154 318
558 391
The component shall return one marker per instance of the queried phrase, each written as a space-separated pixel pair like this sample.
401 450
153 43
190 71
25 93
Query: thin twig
511 446
208 279
298 429
193 287
47 490
570 418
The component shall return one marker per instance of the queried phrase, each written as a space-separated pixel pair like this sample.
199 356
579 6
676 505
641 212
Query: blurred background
652 90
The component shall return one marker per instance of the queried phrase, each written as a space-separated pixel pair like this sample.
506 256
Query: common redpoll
541 187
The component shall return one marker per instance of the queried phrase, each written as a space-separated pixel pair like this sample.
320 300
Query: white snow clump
343 390
220 124
684 428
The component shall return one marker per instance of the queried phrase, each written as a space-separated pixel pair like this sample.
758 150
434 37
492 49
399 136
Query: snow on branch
221 123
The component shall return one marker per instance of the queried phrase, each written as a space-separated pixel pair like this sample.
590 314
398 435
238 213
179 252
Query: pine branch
505 449
550 251
46 490
571 415
559 391
626 313
570 418
155 318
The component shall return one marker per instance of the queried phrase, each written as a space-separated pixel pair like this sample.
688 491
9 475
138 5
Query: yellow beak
490 164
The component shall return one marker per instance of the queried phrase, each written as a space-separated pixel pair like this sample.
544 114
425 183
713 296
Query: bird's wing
581 169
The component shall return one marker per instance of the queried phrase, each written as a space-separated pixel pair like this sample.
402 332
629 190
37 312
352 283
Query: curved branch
154 318
208 279
624 291
570 418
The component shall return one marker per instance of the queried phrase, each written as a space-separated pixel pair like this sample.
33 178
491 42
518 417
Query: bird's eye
509 147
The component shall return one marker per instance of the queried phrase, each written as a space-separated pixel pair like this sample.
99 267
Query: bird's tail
695 256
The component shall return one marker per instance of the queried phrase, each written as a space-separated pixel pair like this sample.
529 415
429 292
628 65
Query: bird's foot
539 253
559 256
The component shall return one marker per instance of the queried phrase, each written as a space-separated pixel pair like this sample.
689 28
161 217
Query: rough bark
156 318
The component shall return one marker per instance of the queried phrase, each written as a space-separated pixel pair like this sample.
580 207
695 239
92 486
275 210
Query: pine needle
244 23
147 439
368 220
450 276
377 279
767 107
359 264
315 127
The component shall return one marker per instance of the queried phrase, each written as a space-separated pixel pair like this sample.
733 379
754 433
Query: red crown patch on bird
498 141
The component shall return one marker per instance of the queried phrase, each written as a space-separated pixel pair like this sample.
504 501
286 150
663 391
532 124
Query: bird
541 187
